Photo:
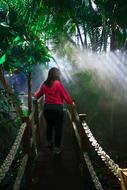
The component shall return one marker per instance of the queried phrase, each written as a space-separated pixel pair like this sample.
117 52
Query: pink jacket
53 95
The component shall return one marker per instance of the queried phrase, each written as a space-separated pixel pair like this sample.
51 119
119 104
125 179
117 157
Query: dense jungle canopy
32 31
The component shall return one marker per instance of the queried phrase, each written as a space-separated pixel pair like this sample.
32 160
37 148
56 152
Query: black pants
54 120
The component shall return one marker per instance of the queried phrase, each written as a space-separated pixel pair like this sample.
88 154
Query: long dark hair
53 74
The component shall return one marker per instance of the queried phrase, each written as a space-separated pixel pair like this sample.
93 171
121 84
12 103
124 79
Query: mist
98 84
109 70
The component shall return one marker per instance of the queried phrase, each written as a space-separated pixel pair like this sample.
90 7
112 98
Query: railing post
28 151
36 118
123 179
83 136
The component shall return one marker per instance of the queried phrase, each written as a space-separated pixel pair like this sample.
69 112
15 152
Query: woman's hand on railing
34 99
32 94
73 104
72 107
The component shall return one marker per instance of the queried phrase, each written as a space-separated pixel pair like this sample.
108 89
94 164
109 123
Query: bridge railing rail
84 139
27 136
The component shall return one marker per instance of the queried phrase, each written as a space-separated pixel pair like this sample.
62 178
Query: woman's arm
39 92
65 95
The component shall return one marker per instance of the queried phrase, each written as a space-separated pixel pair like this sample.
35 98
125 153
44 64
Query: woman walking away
54 96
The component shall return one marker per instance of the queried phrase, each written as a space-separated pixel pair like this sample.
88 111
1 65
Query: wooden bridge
40 168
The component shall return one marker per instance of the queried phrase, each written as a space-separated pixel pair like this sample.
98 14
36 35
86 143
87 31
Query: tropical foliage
22 44
98 24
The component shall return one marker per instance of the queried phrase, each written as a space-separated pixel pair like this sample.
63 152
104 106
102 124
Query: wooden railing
85 139
29 134
27 137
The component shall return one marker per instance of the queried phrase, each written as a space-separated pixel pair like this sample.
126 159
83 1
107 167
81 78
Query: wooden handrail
32 114
78 132
78 119
27 144
28 150
37 121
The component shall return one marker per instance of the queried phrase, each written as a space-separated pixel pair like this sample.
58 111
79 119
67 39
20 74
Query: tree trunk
10 93
80 35
101 40
105 38
113 45
70 39
85 38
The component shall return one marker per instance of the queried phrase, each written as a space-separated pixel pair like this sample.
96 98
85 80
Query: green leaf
17 38
20 43
30 60
2 59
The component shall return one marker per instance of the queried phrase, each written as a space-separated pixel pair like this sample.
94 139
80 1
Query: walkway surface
58 172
